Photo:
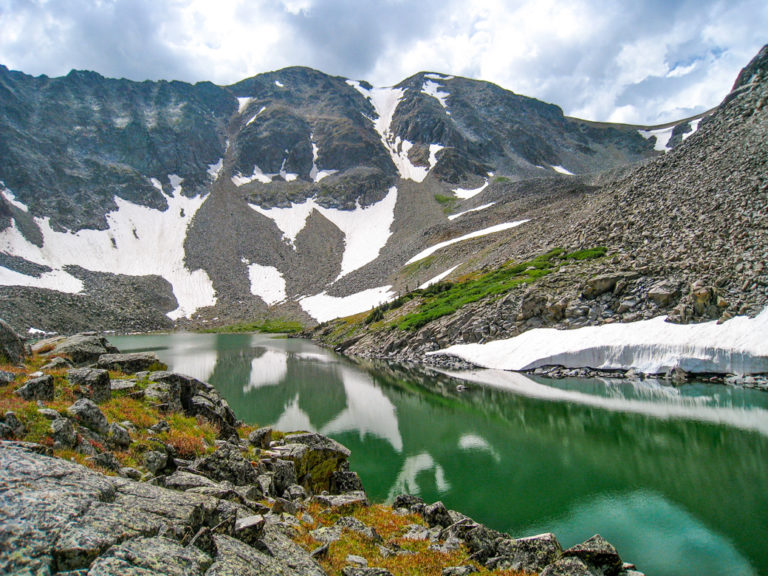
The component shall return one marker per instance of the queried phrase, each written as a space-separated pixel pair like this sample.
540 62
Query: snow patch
279 84
662 138
138 241
562 170
366 230
467 194
253 118
11 198
653 346
435 76
437 91
483 207
215 169
243 103
437 278
385 101
694 125
58 280
36 332
323 307
315 174
240 180
477 234
267 283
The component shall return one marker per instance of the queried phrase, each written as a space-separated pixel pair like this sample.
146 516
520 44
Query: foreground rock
11 347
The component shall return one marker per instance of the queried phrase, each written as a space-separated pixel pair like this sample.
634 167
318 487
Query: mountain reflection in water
674 477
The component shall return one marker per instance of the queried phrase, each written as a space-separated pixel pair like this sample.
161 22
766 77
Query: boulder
600 285
16 426
177 392
283 474
343 481
361 571
342 501
57 363
63 433
532 304
155 461
106 460
40 388
569 567
91 383
86 413
465 570
437 515
145 556
226 463
409 502
12 348
119 437
663 293
599 554
278 545
83 348
249 529
182 480
130 363
316 457
531 554
355 525
261 438
6 377
235 557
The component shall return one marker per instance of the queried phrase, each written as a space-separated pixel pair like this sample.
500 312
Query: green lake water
675 478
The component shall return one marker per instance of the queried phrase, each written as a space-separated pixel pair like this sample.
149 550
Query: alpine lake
675 478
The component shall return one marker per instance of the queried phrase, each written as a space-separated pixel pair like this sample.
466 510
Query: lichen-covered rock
6 377
91 383
361 571
569 567
316 457
437 515
343 481
235 558
83 348
119 436
155 461
40 388
342 501
86 413
149 556
278 545
261 437
130 363
177 392
226 463
597 553
249 529
531 554
183 480
63 433
11 346
56 364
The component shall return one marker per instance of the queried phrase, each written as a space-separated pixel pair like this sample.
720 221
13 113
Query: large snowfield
737 346
129 246
323 307
366 230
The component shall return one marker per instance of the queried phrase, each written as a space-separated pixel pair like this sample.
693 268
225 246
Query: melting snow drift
366 230
653 346
129 246
323 307
485 231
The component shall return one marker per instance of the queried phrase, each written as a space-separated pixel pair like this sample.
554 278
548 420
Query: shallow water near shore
675 478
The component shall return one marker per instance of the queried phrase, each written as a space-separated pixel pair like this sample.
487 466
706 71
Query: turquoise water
677 479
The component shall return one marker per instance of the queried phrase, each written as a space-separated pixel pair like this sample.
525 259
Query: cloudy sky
629 61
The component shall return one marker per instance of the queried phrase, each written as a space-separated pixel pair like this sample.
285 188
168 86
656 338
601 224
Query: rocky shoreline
253 501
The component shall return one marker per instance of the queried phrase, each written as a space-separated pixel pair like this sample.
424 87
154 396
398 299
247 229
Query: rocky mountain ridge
136 205
683 235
